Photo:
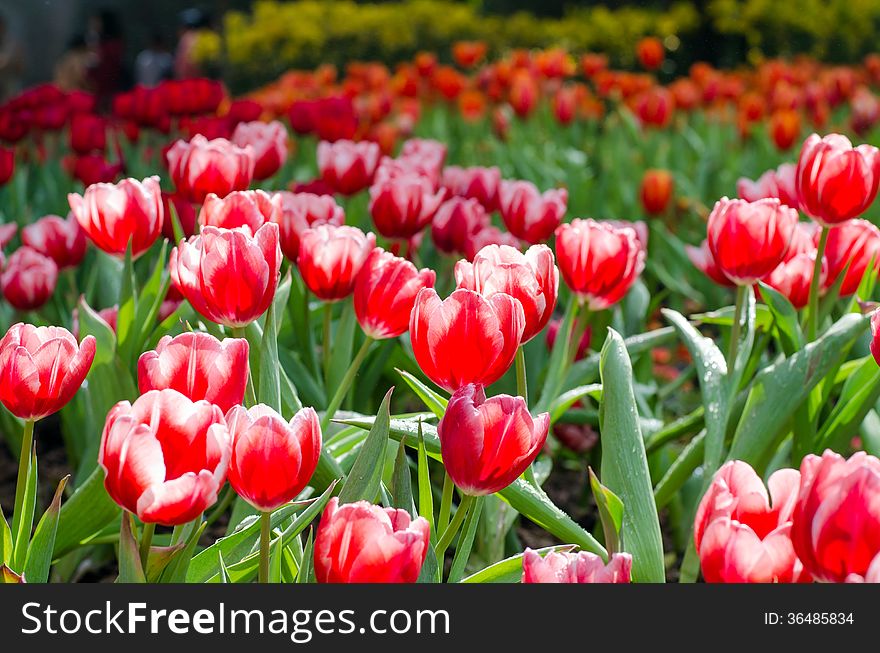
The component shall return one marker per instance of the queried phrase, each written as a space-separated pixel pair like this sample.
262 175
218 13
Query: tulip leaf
224 571
568 399
23 520
177 569
433 401
466 540
559 357
680 470
366 473
587 370
401 482
39 555
275 555
779 389
430 571
610 513
859 395
341 346
130 569
307 564
125 318
84 514
150 298
5 540
159 559
785 319
426 495
269 388
510 570
90 323
624 463
279 301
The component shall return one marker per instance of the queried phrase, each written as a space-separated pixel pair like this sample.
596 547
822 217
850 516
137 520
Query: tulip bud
198 366
268 142
331 257
28 279
402 204
116 215
301 211
656 191
749 239
241 208
476 183
348 167
529 214
465 338
456 221
650 52
232 295
164 457
580 567
42 368
487 443
385 292
201 166
88 134
272 460
362 543
836 181
855 243
61 240
836 521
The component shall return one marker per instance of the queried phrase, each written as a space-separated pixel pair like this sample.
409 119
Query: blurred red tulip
530 278
200 167
42 368
529 214
330 258
88 133
269 144
116 215
779 183
272 460
236 294
385 292
301 211
465 338
346 166
363 543
457 221
580 567
468 54
490 235
164 457
92 169
793 277
599 261
476 183
702 259
402 204
185 212
487 443
650 52
28 279
855 243
244 110
523 94
564 105
749 239
654 107
62 240
656 191
835 181
7 164
836 521
198 366
241 208
583 346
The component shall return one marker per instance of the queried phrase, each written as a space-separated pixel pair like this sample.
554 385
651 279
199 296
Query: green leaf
275 555
159 559
150 298
426 495
279 301
176 228
366 473
269 388
779 389
558 357
307 565
510 570
624 463
680 470
466 540
24 522
587 370
401 481
610 513
224 571
177 570
430 571
5 540
90 323
85 514
343 339
126 327
434 401
39 555
785 319
130 569
859 395
568 399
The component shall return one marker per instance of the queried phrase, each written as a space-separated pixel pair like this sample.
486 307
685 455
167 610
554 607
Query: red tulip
836 521
785 128
875 336
792 278
583 346
654 106
114 215
272 460
92 169
7 164
457 221
855 243
228 275
529 214
564 105
200 167
490 235
487 443
742 533
650 52
362 543
523 97
656 191
42 368
531 278
749 239
241 208
403 204
702 259
425 154
301 211
331 257
198 366
244 110
476 183
599 261
7 233
835 181
465 338
88 133
348 167
385 292
28 279
580 567
779 183
269 144
164 457
186 215
61 240
872 576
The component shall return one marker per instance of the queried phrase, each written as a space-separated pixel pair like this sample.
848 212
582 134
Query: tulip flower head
301 211
201 166
62 240
529 214
580 567
330 258
268 142
241 208
348 167
28 279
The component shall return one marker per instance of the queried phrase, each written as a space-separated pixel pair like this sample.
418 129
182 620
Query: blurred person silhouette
154 63
192 21
72 70
104 37
11 61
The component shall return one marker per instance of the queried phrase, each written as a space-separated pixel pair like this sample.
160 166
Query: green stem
813 315
736 327
346 382
226 499
265 536
24 468
457 520
250 397
325 343
146 541
522 388
445 504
